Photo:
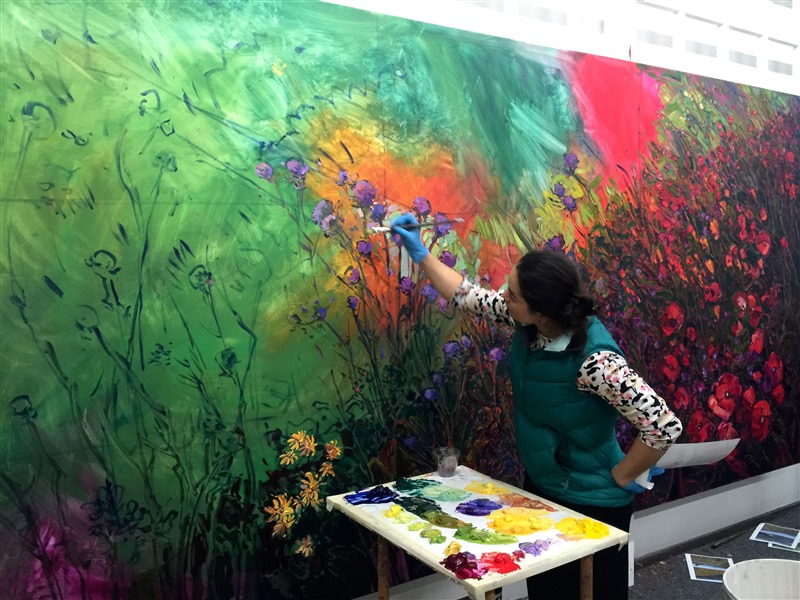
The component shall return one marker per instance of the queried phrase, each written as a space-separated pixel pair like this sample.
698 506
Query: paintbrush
419 225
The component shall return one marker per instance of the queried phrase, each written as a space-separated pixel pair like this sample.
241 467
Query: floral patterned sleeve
608 375
489 303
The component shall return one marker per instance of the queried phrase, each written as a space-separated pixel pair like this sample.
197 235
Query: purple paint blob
479 507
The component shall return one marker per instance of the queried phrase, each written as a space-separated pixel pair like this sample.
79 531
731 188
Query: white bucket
763 579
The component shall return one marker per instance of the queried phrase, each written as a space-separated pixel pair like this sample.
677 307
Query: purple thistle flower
441 230
497 354
354 277
429 293
364 192
450 349
342 177
430 394
466 341
406 285
569 203
264 170
443 304
297 167
559 190
364 247
320 313
323 209
556 243
570 163
448 259
437 378
422 206
410 441
327 225
378 212
352 302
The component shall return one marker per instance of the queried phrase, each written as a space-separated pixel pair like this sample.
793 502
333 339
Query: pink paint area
619 104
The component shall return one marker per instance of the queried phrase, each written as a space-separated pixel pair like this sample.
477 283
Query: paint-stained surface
201 338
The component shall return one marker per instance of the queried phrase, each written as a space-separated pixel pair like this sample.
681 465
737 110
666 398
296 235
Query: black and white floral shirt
606 374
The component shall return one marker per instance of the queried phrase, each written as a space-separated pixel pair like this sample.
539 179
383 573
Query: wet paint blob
377 495
514 499
444 493
480 507
582 528
470 533
464 565
519 521
486 487
536 547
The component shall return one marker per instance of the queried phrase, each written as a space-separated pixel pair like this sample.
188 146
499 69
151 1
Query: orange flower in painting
309 490
304 546
326 470
333 450
671 318
296 440
288 458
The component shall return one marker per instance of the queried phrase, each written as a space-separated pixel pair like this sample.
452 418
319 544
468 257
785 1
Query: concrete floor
666 577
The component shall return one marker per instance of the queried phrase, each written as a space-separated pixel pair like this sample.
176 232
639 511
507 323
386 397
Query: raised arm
445 279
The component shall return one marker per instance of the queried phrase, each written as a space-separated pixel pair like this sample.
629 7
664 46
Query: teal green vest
566 438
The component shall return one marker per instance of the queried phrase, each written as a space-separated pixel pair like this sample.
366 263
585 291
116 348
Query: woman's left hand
635 487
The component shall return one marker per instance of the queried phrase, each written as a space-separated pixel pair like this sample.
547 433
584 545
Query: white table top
563 551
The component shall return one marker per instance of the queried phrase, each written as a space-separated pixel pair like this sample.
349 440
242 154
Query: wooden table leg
490 595
587 568
383 568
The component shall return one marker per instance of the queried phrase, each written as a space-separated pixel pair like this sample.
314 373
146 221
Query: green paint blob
405 485
444 493
483 536
419 526
434 536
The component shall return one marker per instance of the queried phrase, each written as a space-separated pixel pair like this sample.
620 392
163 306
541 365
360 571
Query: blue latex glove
637 488
410 237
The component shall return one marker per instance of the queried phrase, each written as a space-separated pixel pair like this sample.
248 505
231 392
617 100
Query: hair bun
582 306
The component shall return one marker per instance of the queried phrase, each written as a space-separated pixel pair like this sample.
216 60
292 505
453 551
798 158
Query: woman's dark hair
551 284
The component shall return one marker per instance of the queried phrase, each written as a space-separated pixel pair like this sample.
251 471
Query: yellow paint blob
419 526
587 528
395 511
452 548
486 487
516 520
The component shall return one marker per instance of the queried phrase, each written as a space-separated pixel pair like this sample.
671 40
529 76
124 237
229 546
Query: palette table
559 548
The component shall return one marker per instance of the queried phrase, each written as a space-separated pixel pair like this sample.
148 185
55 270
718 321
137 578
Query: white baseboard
655 530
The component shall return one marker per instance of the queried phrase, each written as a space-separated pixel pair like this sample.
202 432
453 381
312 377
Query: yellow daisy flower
304 547
288 458
333 450
326 469
296 440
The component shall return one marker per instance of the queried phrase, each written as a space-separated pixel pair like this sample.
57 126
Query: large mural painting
202 336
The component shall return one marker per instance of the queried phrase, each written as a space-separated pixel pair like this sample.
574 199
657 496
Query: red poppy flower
778 394
670 370
763 243
749 397
726 431
774 369
671 318
737 328
760 419
699 428
681 398
757 341
691 333
725 395
713 293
